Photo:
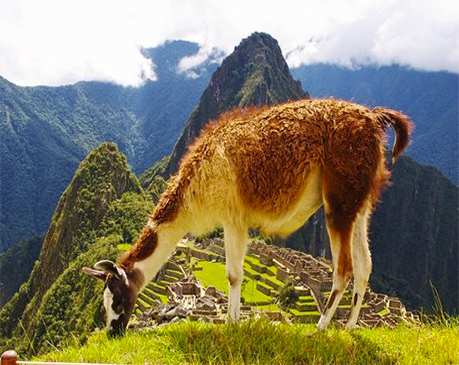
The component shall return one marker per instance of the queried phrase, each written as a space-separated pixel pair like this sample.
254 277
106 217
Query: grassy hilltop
263 342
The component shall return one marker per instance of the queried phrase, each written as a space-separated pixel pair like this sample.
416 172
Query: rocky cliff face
414 236
254 74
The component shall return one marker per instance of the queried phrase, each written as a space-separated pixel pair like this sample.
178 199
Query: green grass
263 342
249 269
123 246
252 294
251 259
275 280
306 299
305 313
213 273
273 307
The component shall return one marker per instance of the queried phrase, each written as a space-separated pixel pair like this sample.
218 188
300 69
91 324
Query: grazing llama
271 169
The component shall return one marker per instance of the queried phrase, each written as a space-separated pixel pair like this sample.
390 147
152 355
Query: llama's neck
155 244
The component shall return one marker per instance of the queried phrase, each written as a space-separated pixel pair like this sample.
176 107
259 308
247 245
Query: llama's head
119 295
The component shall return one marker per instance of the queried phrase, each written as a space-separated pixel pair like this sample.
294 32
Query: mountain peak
259 47
102 177
255 73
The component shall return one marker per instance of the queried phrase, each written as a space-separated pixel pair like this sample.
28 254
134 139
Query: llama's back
255 166
264 167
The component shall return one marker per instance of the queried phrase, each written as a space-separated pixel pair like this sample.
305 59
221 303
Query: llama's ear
110 267
95 273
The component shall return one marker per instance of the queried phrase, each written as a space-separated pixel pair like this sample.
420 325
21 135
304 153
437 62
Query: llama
270 169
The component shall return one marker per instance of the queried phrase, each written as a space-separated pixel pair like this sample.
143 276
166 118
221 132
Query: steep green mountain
16 265
153 181
103 206
100 179
431 99
254 74
47 131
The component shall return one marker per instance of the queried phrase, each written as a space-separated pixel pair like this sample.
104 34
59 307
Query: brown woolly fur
403 128
167 208
144 247
271 155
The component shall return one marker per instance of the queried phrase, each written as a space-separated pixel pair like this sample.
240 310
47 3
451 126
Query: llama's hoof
351 326
322 326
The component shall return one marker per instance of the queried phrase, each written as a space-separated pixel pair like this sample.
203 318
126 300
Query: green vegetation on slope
47 131
19 260
153 180
263 342
103 207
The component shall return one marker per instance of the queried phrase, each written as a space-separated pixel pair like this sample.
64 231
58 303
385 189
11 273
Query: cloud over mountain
48 42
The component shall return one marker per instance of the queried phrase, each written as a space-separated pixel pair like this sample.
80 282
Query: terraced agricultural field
263 280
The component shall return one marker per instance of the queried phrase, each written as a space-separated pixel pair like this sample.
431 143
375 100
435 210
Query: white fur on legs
339 284
361 262
236 240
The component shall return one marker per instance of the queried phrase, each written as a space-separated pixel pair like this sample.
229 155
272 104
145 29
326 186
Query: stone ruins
272 268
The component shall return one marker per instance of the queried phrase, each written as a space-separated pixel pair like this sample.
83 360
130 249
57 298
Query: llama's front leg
236 241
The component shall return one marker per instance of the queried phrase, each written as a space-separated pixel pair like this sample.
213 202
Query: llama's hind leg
340 247
361 261
236 240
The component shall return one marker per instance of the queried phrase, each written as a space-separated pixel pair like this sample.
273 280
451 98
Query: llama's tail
403 127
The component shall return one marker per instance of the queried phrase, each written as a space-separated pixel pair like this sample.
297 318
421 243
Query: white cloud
191 65
58 42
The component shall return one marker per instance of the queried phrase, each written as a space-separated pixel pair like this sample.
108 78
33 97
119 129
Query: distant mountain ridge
47 131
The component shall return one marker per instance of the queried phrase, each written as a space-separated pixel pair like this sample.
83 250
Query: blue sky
55 42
